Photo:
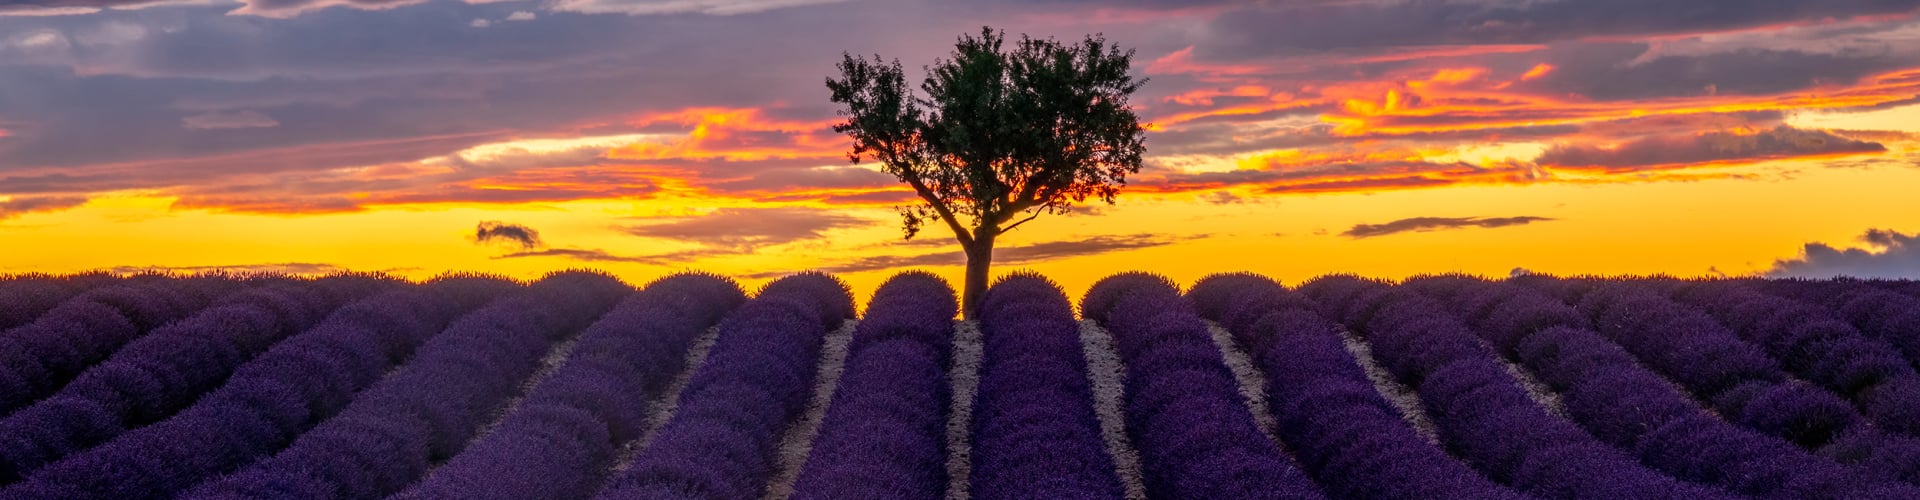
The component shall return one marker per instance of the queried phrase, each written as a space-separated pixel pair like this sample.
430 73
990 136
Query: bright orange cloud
1447 101
1538 71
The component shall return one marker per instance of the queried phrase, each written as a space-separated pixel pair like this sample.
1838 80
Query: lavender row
431 407
1744 384
1034 431
1701 355
25 298
884 434
561 441
1196 435
1878 312
1330 416
39 358
1607 390
1819 347
266 404
1481 411
162 372
741 400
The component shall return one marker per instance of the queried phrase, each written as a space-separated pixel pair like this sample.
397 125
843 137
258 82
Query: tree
999 138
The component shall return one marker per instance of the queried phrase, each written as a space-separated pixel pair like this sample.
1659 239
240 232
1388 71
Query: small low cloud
1222 198
750 227
1889 254
501 232
1425 224
19 206
514 17
219 120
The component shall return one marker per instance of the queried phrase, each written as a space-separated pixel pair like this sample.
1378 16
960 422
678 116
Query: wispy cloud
598 255
1424 224
750 227
216 120
18 206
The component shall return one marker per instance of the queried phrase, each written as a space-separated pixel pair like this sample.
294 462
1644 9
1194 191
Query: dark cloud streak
1686 150
19 206
1330 25
1425 224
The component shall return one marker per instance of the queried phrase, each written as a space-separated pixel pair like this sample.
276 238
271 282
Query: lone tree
999 138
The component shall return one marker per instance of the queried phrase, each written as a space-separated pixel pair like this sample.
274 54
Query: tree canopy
996 136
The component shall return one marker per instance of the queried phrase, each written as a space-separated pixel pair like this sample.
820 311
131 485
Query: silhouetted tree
999 138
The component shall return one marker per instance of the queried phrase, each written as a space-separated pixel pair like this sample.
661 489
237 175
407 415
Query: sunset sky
1293 138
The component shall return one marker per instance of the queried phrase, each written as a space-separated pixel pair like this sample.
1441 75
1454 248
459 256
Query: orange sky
1287 157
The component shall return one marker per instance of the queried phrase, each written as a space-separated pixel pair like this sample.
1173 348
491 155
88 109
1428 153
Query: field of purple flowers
580 386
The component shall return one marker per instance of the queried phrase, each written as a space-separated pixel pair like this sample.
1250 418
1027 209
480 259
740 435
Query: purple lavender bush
262 407
1620 402
1817 346
1485 417
1196 436
1034 431
884 434
1752 389
23 298
1342 431
733 412
563 438
158 374
39 358
430 408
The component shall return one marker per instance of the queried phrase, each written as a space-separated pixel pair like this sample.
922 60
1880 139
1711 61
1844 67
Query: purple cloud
1891 255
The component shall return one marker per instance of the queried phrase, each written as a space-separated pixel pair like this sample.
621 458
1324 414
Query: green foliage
996 133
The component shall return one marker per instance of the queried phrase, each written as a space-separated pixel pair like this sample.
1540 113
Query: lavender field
578 385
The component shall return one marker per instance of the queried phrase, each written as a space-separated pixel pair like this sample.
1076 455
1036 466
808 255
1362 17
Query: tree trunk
979 259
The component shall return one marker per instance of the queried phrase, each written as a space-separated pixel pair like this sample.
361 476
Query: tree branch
1035 215
946 214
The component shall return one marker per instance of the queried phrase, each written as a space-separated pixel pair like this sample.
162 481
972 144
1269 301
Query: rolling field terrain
580 386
